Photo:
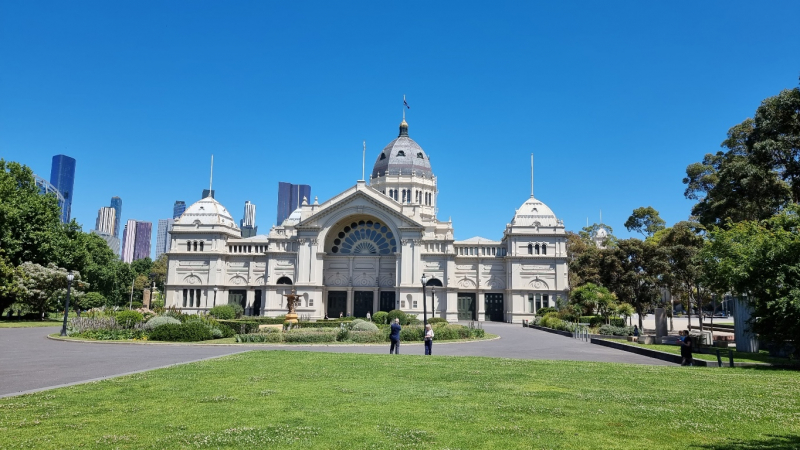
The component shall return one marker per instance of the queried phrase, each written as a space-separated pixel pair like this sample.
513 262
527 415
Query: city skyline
614 100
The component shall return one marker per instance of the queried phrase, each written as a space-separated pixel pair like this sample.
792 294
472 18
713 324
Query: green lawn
761 357
304 400
27 324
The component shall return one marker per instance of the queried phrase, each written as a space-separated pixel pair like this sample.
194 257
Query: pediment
359 200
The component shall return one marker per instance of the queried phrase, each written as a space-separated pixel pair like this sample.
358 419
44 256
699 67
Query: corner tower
403 173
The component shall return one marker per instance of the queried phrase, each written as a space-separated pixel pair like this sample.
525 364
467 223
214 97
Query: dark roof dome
402 156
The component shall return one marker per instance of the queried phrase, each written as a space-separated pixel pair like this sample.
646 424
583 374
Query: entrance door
362 303
239 297
337 304
257 303
466 306
387 301
494 307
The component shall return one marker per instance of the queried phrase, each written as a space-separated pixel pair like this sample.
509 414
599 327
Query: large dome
207 212
402 156
533 211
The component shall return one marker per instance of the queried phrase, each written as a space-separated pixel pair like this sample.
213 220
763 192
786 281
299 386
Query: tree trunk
641 324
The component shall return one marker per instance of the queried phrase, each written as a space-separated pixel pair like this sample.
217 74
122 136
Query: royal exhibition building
366 250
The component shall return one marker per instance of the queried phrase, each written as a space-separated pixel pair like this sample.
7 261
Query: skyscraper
163 236
248 223
116 203
178 208
106 219
62 176
141 249
111 240
290 197
128 241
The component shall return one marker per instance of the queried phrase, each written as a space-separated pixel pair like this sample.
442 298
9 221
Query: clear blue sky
615 99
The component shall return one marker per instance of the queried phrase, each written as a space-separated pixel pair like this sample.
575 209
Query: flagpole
363 157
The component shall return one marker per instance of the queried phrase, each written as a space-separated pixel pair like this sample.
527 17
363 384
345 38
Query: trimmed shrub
477 333
160 320
318 324
364 326
260 337
111 334
342 334
225 312
240 326
186 332
611 330
367 337
411 334
237 309
446 332
310 336
593 321
618 322
380 317
434 320
397 314
128 319
545 311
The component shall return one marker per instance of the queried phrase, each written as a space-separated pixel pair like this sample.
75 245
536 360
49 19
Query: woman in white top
428 339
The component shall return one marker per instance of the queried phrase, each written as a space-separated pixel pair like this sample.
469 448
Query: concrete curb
670 357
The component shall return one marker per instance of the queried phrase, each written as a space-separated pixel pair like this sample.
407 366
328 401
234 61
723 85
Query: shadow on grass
772 442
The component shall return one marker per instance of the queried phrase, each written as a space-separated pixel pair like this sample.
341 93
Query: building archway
284 280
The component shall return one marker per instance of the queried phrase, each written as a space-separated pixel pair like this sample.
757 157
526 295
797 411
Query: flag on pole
406 103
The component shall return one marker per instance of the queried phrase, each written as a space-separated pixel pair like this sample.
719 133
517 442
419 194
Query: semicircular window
365 239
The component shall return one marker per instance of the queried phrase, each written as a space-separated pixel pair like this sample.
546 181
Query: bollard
730 357
719 359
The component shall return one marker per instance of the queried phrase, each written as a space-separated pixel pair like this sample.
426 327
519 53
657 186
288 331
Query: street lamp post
424 303
70 277
215 295
433 301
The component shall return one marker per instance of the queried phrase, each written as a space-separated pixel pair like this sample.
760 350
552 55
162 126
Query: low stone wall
663 356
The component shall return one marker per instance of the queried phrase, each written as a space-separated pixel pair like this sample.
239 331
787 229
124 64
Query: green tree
633 271
645 220
625 310
682 244
158 271
90 300
45 287
11 289
761 259
759 172
30 225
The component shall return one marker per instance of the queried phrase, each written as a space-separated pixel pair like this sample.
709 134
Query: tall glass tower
178 208
116 203
290 197
62 176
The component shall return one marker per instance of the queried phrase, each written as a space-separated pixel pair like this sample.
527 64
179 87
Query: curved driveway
30 362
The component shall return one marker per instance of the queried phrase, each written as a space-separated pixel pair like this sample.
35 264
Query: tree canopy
645 220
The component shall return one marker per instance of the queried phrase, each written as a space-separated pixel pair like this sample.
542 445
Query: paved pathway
29 361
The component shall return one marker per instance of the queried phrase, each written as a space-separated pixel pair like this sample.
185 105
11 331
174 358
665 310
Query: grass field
317 400
761 357
28 324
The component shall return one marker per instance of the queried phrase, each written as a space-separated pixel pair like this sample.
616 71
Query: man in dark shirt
394 337
686 349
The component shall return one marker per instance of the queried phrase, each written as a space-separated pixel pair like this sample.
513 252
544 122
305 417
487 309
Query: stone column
349 308
746 341
661 324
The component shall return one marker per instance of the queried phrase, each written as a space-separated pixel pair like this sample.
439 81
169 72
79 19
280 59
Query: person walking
428 339
394 337
369 317
686 349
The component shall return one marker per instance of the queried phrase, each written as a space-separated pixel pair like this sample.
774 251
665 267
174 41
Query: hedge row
323 335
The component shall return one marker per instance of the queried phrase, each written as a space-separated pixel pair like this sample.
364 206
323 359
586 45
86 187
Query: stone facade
366 249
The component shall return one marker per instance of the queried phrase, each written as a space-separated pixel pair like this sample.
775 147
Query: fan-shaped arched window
364 238
284 280
401 153
419 155
383 156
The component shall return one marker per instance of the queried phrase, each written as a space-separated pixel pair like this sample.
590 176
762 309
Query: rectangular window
538 302
197 298
530 304
414 304
310 301
185 297
546 301
403 304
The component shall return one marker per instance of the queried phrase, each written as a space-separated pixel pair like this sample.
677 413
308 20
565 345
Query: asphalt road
31 362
